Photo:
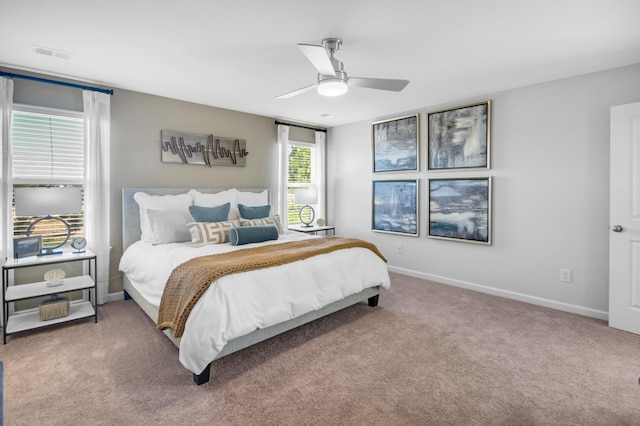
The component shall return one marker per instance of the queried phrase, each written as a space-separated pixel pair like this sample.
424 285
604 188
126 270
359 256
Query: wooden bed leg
203 377
373 301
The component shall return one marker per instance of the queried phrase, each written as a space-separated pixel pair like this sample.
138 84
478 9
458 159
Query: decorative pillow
257 212
179 203
210 214
252 234
168 226
272 220
249 199
203 233
217 199
232 196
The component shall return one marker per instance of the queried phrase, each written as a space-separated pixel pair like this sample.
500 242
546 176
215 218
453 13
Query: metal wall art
395 144
460 209
208 150
395 206
459 138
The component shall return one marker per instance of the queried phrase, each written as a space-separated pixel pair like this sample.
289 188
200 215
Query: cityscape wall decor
208 150
460 209
395 206
395 144
459 138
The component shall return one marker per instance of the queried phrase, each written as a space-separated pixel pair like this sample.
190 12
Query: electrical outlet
565 275
399 248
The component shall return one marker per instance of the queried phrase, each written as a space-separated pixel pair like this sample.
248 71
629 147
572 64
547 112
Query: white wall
550 163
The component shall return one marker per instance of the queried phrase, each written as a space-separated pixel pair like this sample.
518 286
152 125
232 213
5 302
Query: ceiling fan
332 79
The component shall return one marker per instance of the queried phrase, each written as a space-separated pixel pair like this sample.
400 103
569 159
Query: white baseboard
554 304
114 297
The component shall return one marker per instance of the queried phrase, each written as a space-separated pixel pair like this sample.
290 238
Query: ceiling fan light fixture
332 87
332 79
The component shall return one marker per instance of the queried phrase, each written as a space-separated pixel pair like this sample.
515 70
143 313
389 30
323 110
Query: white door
624 217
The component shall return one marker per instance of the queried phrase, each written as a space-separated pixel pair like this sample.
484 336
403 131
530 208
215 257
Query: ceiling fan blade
318 56
297 92
378 83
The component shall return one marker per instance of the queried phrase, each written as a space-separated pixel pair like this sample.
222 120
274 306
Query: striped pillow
203 233
271 220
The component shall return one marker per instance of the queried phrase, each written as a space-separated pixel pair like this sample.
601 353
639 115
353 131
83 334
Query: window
301 164
48 150
301 158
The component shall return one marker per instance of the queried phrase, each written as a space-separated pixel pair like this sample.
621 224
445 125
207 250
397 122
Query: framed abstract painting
395 144
395 206
460 209
459 138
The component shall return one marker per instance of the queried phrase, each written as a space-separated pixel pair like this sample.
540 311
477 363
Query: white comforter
238 304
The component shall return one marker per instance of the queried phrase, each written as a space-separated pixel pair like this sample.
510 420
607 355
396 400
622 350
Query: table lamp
306 197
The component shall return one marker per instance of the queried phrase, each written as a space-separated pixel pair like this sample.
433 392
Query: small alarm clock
320 222
79 243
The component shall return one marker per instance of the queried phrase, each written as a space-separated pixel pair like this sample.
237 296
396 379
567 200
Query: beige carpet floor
429 354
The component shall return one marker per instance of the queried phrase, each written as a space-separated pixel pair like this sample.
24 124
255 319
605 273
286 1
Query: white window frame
45 181
314 179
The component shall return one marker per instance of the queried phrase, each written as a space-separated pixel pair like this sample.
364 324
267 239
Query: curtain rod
59 83
302 127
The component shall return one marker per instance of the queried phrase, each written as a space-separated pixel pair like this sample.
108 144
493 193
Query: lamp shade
306 196
47 201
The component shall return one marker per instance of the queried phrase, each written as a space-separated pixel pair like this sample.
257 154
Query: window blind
48 150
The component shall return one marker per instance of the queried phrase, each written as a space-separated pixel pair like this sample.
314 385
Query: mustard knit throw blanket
188 281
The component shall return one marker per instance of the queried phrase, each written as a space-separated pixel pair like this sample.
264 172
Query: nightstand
313 229
30 319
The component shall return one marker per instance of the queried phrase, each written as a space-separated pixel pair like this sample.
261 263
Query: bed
244 308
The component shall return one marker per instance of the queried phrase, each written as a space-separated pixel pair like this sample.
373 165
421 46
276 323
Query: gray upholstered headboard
131 214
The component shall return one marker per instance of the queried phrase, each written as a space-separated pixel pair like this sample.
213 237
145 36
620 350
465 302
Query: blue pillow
210 214
256 212
252 234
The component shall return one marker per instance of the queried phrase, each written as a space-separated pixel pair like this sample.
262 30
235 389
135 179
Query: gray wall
550 164
136 122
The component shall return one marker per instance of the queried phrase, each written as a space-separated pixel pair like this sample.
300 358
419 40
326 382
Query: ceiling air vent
52 52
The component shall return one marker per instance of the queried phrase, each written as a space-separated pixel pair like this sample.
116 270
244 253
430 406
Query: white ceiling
240 54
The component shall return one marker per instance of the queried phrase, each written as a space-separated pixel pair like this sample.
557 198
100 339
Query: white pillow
168 226
253 198
179 203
